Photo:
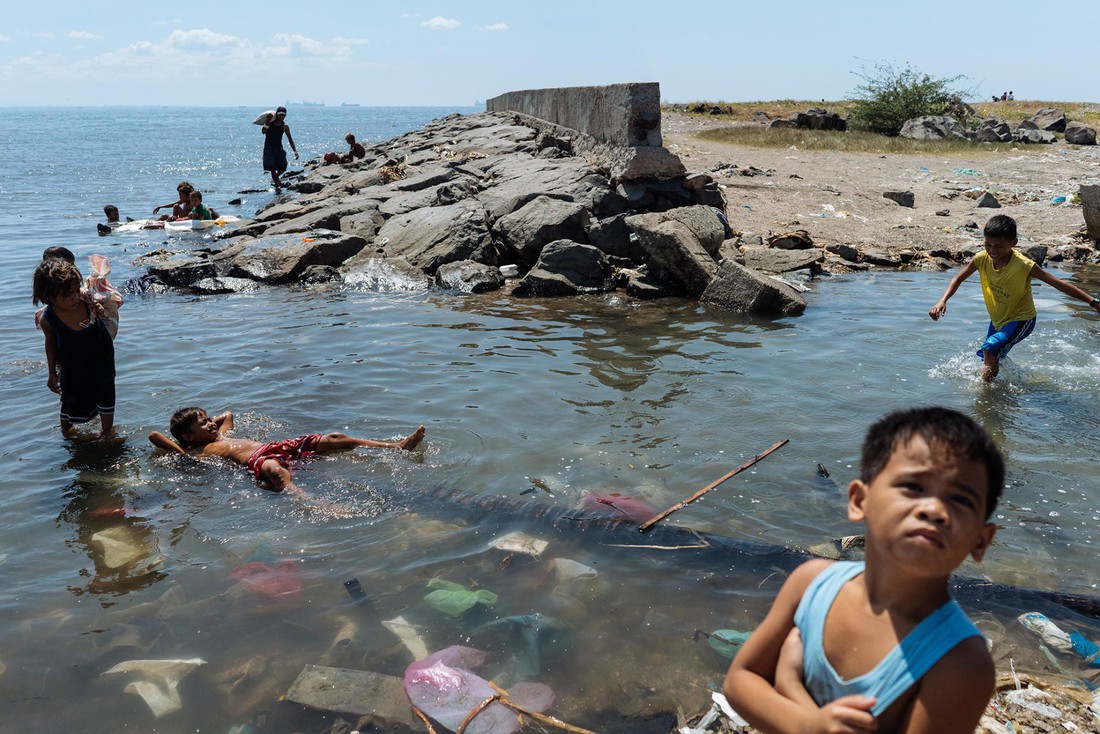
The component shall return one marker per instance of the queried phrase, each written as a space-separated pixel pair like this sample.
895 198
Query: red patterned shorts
284 452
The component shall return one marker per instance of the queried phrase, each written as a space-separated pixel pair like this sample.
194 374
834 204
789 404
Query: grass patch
850 142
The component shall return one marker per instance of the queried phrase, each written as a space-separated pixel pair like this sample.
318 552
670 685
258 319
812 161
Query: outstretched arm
1068 288
161 441
941 305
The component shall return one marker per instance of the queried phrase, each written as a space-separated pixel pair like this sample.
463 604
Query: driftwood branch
645 526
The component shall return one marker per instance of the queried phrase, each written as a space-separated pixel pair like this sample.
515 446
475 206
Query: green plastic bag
454 599
727 642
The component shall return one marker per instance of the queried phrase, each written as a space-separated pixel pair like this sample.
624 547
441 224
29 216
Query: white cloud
203 38
439 23
4 39
494 27
339 41
83 35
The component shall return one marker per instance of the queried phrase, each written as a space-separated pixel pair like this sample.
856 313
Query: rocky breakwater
474 203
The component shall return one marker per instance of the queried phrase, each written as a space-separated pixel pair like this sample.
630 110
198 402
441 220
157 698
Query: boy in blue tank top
880 645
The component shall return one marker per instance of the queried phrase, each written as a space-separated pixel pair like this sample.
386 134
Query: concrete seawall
619 114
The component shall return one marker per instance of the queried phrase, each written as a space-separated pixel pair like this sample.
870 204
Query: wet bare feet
413 439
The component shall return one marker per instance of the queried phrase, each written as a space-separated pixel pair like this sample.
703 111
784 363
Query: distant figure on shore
879 644
355 152
80 352
182 206
199 434
274 154
1006 285
1004 96
1011 96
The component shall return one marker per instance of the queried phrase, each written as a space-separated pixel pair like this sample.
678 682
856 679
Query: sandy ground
837 196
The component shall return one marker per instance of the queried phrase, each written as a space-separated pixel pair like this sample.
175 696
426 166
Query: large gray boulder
737 288
468 276
540 222
567 268
369 271
1050 119
443 193
933 127
512 181
1090 207
181 271
364 224
675 249
1078 133
613 236
771 260
282 258
428 238
1031 135
994 131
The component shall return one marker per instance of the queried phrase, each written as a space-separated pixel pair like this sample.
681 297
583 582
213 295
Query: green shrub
889 96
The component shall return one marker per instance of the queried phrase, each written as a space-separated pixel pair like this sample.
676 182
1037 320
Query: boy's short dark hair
943 426
58 251
110 208
54 277
184 185
1001 226
182 420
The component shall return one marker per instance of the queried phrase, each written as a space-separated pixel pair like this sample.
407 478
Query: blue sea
114 554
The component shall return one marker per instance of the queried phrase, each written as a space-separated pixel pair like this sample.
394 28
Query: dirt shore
838 196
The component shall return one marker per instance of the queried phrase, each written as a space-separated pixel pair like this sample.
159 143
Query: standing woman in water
274 155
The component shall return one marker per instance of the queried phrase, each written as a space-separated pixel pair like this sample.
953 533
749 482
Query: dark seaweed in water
719 554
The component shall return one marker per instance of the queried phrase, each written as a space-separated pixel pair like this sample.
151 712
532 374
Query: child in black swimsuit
80 353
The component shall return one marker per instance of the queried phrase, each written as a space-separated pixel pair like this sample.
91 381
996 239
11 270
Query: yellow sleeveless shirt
1007 291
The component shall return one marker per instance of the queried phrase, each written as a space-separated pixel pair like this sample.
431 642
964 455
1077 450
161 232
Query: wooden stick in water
645 526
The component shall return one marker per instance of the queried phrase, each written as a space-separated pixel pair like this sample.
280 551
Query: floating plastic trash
1058 200
727 642
455 599
614 503
441 687
509 271
408 635
281 581
120 546
1086 648
1050 633
518 542
160 681
566 570
530 637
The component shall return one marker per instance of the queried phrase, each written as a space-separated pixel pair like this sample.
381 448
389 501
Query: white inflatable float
187 225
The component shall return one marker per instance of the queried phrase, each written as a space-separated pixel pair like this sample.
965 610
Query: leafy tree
889 96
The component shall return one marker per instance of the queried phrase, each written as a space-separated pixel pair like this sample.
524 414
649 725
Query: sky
453 53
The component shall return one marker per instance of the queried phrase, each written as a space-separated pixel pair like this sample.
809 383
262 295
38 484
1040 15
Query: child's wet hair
196 193
1000 226
184 185
940 427
182 420
110 208
64 253
54 277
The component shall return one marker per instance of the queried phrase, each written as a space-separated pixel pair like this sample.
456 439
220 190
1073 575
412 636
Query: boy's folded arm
953 695
750 683
161 441
224 421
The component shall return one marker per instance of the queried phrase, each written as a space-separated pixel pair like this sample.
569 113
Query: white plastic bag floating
120 546
517 542
97 289
1050 633
159 681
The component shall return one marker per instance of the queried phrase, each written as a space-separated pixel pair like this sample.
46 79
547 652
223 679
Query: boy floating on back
883 646
199 434
1006 285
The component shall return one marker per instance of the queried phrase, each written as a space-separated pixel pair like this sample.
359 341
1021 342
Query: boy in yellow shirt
1006 285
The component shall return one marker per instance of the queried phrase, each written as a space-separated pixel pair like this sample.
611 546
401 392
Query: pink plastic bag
97 289
442 688
625 506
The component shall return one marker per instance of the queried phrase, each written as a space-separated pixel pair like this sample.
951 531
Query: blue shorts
999 341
